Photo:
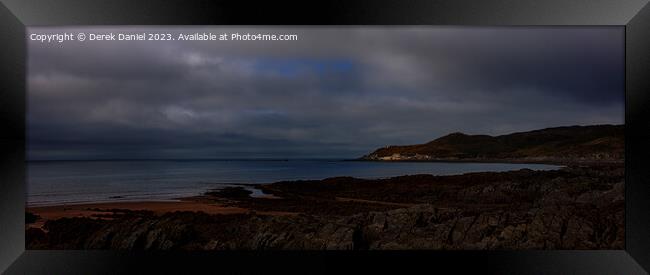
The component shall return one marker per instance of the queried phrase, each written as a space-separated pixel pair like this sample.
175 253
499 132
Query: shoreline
504 161
257 185
107 201
571 208
199 203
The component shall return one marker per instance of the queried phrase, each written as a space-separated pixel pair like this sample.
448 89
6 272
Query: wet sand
96 210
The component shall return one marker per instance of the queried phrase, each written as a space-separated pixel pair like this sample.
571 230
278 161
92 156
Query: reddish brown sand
158 207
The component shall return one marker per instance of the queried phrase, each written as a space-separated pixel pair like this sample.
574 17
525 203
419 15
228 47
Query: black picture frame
15 15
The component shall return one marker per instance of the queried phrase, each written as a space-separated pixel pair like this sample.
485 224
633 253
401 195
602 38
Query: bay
64 182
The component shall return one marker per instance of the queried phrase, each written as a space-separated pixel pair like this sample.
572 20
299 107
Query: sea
73 182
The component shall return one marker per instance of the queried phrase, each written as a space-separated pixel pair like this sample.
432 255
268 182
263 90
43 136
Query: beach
577 207
98 210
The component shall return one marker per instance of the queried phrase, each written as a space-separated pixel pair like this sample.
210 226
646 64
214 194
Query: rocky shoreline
576 207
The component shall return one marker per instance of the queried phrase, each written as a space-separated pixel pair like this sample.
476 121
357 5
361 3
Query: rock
576 208
31 217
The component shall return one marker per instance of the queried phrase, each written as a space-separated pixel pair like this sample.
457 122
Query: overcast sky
336 92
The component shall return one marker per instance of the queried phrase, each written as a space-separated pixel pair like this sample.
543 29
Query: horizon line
193 159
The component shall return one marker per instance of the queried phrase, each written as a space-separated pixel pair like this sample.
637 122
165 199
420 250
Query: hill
597 143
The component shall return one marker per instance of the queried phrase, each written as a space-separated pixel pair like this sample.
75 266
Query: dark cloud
336 92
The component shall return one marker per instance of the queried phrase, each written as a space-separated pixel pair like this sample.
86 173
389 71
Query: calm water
55 182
